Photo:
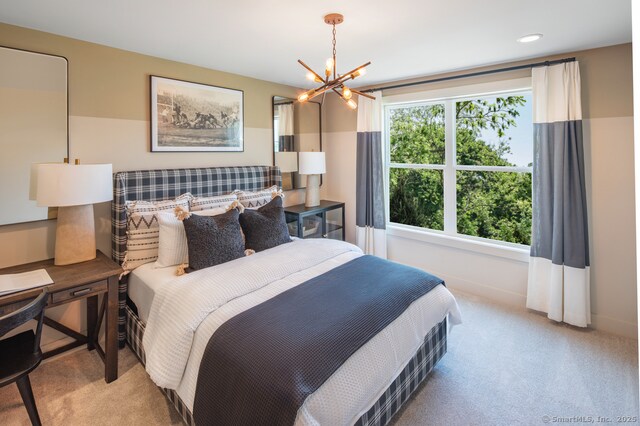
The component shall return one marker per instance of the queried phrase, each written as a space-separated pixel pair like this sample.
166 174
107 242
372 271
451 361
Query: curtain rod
473 74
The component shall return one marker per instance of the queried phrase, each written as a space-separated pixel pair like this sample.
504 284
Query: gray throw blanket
260 365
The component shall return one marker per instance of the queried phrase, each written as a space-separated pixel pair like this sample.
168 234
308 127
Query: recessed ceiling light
529 38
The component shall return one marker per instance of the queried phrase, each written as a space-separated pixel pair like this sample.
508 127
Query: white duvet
186 311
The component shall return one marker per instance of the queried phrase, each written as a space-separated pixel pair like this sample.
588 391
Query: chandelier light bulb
359 72
352 104
329 66
346 92
311 76
303 97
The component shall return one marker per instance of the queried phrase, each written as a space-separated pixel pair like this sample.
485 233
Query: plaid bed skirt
429 353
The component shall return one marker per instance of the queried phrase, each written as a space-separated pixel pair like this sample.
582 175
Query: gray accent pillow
265 227
212 240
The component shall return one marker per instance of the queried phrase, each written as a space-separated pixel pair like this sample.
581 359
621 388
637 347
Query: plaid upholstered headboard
156 185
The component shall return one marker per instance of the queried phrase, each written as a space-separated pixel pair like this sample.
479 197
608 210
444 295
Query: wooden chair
21 354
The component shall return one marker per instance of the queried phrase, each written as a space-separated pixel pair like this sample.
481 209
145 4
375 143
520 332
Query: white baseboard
614 326
598 322
484 291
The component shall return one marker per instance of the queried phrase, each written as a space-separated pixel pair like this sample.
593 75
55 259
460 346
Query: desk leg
111 332
92 319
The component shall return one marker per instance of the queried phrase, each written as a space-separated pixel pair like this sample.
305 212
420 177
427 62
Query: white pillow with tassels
172 248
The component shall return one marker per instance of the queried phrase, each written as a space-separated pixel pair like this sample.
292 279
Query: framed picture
189 116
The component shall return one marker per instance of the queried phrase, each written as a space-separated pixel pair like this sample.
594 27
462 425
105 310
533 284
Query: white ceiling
264 38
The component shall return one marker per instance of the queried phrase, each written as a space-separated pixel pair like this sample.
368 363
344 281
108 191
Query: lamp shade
61 185
311 163
287 161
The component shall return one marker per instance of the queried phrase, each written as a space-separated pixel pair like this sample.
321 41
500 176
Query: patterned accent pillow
143 229
220 209
213 240
208 203
265 227
212 212
254 200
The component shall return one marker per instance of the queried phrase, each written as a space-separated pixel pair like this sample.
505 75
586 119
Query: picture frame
195 117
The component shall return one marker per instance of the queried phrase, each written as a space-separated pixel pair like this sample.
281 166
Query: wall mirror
33 126
296 128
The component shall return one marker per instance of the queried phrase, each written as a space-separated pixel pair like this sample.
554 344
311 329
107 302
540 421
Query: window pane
495 131
416 134
495 205
416 198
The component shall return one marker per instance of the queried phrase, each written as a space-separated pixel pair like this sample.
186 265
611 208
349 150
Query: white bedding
143 283
187 310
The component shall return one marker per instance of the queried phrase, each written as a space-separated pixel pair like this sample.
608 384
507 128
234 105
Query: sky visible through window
521 135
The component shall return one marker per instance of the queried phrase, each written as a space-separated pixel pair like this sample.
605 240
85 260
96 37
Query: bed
417 338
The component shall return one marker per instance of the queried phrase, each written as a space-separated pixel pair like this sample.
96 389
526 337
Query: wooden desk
86 280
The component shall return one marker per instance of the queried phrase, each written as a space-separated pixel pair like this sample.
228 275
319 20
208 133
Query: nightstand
323 221
85 280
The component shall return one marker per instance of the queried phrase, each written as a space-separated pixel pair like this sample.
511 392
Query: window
462 166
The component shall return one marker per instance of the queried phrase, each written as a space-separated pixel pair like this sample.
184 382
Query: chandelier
332 80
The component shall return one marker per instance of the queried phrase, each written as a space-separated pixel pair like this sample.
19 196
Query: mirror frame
273 130
67 155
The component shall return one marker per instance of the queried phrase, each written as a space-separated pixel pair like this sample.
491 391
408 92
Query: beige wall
608 136
109 123
113 83
109 120
306 117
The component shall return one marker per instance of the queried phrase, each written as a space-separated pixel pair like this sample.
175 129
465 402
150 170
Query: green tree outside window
490 204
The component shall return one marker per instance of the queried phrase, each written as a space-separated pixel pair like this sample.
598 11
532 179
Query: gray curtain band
369 181
560 231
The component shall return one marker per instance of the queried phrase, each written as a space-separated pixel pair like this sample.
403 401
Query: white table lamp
313 165
288 163
74 189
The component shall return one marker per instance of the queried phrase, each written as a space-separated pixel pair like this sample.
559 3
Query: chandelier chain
334 40
334 50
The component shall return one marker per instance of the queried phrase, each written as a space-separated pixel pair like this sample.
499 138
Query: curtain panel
370 208
285 128
559 264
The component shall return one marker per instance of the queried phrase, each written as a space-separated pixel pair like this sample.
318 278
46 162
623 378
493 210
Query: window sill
507 251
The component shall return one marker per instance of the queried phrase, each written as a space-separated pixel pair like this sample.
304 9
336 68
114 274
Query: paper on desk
11 283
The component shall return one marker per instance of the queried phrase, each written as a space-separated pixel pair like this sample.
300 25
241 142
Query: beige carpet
503 367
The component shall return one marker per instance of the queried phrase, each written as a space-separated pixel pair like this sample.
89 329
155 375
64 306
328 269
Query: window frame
450 236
